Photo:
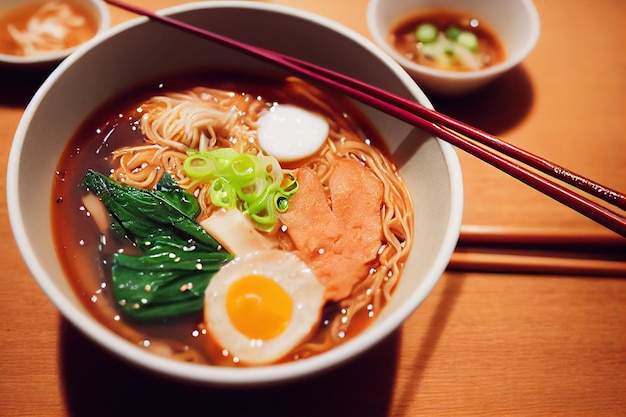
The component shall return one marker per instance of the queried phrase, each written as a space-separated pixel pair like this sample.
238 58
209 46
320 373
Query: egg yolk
258 307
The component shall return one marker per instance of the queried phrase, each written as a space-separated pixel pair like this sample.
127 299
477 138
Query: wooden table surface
483 343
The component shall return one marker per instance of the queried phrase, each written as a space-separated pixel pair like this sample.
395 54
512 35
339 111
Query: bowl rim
531 39
215 375
104 23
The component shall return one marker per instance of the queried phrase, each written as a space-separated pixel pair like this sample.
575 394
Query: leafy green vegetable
141 214
179 256
163 285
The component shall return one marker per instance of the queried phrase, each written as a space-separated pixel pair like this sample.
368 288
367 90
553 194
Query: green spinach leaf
179 257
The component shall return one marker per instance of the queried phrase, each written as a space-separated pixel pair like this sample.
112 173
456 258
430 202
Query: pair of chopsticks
465 137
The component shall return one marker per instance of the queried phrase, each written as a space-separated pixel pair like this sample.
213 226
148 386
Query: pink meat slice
338 239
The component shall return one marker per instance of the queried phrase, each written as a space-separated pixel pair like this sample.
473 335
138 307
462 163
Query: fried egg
263 304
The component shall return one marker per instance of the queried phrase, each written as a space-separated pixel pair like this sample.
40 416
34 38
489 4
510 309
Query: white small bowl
142 50
96 7
515 22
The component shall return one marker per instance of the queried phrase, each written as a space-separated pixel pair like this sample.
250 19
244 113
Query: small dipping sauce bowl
41 33
515 24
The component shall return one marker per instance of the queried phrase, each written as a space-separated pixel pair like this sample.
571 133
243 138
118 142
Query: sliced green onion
453 33
282 203
265 215
468 40
290 187
426 33
243 166
222 193
199 167
251 183
257 203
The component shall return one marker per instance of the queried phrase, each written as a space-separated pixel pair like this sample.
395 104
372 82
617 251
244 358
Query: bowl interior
142 50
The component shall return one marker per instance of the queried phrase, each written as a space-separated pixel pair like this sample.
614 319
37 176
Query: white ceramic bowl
95 7
140 50
516 23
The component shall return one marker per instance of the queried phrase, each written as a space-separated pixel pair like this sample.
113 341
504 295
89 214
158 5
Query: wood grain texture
481 344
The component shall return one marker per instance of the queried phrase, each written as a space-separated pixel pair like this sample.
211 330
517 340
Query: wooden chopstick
582 240
538 264
446 128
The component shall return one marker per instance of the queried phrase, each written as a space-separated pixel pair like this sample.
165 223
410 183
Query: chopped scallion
426 33
250 183
468 40
453 33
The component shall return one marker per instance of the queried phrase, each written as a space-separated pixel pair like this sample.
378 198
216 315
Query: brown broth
20 16
402 37
84 257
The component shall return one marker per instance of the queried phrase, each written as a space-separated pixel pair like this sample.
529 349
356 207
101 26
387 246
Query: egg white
288 271
290 133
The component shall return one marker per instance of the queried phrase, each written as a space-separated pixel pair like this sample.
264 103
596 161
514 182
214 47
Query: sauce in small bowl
491 37
447 40
46 31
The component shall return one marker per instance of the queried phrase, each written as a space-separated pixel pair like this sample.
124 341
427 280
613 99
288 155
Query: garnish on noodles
253 184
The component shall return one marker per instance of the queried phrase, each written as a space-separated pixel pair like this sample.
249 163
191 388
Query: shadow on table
495 108
452 285
94 383
18 85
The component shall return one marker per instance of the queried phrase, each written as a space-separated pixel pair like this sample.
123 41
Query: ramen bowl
514 23
142 50
41 33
